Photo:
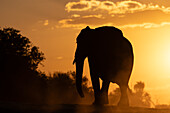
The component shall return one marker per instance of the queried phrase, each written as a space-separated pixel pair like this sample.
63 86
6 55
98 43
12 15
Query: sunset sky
53 26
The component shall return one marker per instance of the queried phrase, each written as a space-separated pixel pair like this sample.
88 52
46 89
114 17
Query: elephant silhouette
110 57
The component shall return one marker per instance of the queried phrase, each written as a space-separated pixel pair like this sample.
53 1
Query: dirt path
28 108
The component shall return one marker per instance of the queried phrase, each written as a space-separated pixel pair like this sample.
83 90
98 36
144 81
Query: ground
67 108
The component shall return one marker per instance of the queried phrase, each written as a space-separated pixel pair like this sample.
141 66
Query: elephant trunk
79 72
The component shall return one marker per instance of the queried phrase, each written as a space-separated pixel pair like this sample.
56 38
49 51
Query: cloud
75 15
67 23
145 25
127 7
119 13
106 5
122 7
91 16
143 19
59 58
45 23
91 20
77 6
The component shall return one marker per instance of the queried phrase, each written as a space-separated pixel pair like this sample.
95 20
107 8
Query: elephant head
80 55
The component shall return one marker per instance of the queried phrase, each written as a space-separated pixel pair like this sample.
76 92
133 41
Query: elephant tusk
74 61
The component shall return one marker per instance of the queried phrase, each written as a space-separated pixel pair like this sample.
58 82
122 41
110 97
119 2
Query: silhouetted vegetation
18 51
137 97
140 97
20 80
62 89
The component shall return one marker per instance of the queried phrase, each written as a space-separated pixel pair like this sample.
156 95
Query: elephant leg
104 92
96 87
124 101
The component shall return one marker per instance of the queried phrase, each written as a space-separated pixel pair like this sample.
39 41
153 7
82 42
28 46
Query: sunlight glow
165 57
162 55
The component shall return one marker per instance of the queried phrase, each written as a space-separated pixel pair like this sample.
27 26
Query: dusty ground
27 108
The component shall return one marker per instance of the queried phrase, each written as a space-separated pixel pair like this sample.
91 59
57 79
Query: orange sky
53 25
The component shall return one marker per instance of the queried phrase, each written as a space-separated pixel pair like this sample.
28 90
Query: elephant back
109 40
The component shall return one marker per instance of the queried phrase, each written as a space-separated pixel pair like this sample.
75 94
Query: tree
20 79
138 97
16 51
139 87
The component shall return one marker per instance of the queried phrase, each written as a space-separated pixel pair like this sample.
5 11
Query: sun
165 57
162 56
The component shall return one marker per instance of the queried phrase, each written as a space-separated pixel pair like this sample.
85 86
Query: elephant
110 58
